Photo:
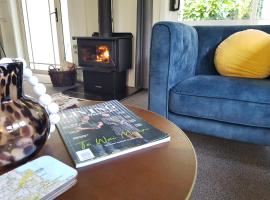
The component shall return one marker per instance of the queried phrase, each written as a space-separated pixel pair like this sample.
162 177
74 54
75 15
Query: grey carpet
226 169
139 99
230 170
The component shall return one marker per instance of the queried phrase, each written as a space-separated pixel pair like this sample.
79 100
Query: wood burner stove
105 57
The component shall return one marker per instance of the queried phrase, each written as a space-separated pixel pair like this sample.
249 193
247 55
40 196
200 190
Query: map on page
36 179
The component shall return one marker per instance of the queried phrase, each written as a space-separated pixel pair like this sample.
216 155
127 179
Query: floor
139 99
226 169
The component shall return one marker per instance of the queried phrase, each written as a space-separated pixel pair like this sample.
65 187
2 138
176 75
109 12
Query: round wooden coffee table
159 172
166 172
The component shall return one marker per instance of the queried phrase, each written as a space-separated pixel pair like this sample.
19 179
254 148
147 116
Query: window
47 32
41 33
249 11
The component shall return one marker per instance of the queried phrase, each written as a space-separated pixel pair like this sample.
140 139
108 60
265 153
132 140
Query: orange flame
103 54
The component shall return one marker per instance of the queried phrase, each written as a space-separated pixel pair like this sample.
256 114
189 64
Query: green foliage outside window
218 9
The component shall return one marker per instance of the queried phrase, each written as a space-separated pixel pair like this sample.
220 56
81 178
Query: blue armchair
185 87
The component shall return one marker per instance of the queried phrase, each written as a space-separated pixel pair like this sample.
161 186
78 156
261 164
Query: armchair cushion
244 54
209 37
225 99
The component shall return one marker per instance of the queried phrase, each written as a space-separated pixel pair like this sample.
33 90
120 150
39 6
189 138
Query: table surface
166 171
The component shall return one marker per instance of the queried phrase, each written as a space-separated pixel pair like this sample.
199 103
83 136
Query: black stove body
105 57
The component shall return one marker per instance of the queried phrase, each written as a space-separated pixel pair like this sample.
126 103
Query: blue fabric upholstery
209 37
185 87
172 47
220 129
225 99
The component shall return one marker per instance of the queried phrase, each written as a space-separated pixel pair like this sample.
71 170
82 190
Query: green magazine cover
105 130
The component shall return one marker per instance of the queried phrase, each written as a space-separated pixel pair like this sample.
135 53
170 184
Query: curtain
143 34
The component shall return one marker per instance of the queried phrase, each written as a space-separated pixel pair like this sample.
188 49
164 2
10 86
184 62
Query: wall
79 11
84 21
6 29
124 16
18 28
161 11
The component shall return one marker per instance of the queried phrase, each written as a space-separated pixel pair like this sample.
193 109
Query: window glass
41 33
194 10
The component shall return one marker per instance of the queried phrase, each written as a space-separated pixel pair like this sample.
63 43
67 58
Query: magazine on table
105 130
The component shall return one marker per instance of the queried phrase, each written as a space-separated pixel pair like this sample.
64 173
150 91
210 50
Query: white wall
161 11
125 19
84 21
91 10
77 23
18 28
6 29
79 11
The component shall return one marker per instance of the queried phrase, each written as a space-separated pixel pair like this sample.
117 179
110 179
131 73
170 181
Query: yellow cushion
244 54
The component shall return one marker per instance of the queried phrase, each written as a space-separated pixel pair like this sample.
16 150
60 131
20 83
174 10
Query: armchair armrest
173 57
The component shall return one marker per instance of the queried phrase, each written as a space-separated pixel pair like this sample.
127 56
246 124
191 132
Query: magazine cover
105 130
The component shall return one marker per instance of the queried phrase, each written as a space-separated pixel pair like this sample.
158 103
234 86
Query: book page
36 179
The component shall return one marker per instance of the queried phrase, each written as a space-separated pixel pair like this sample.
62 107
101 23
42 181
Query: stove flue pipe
105 18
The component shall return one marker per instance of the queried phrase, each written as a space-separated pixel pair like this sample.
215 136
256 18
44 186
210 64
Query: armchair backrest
209 37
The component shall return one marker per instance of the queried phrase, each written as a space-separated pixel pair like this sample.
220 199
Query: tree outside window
222 9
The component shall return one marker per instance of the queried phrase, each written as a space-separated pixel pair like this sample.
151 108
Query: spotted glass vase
24 123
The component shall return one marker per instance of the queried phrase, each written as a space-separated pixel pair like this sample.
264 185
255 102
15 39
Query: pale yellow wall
124 16
161 11
156 11
6 29
77 23
83 17
18 28
91 16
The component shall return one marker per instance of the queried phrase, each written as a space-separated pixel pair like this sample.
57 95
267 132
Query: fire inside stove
103 54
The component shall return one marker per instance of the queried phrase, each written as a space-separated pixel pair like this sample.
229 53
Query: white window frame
225 22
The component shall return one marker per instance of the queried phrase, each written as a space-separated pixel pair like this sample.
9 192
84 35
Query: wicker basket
62 78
